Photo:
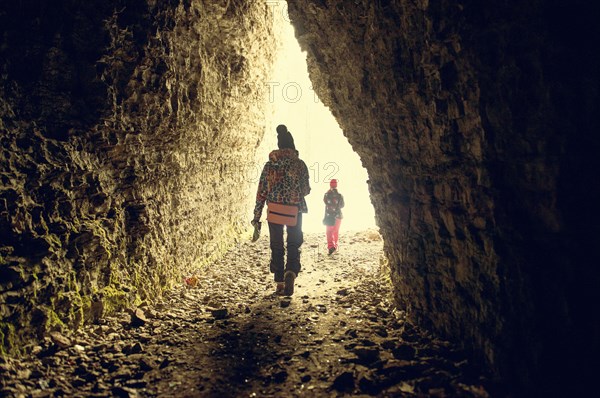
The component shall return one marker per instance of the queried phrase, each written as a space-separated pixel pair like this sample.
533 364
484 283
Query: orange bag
282 214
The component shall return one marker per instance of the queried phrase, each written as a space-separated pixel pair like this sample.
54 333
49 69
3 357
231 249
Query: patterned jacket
334 201
284 179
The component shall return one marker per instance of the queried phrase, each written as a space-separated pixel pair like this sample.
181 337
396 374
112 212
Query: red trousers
332 234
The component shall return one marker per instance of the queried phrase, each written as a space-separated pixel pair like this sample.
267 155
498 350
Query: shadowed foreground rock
229 336
478 124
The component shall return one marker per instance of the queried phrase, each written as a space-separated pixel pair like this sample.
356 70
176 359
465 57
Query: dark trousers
295 238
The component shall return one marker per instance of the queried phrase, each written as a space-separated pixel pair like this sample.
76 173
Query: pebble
228 335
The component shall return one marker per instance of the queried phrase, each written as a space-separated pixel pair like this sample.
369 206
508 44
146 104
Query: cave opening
124 126
318 136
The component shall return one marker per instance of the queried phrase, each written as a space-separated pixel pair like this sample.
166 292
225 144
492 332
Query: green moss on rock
7 339
108 206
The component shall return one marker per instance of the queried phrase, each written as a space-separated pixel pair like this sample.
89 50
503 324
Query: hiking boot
289 278
279 288
331 250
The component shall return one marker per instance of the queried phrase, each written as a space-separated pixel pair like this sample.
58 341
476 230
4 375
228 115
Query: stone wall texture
125 126
478 124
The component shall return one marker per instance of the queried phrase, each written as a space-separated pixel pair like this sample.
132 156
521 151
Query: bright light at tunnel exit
319 140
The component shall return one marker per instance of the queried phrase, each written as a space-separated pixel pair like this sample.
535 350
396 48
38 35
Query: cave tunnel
126 123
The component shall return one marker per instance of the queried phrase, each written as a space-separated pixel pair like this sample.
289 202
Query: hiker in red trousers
334 202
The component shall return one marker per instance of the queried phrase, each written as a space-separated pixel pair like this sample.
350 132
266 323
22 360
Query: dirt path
229 336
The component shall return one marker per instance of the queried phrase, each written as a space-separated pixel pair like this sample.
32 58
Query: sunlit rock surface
477 122
125 126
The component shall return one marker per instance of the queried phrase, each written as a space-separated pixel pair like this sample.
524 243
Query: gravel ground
225 334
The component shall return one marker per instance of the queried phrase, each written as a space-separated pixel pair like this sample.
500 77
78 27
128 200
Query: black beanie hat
284 138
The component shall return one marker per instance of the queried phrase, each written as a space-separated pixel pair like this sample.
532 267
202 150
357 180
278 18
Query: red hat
333 183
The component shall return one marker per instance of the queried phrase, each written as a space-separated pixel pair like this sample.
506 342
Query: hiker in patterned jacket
284 180
334 202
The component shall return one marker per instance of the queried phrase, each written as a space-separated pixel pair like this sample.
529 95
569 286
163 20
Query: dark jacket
334 201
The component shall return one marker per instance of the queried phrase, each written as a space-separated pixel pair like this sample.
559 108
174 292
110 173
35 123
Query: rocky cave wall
125 127
477 122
